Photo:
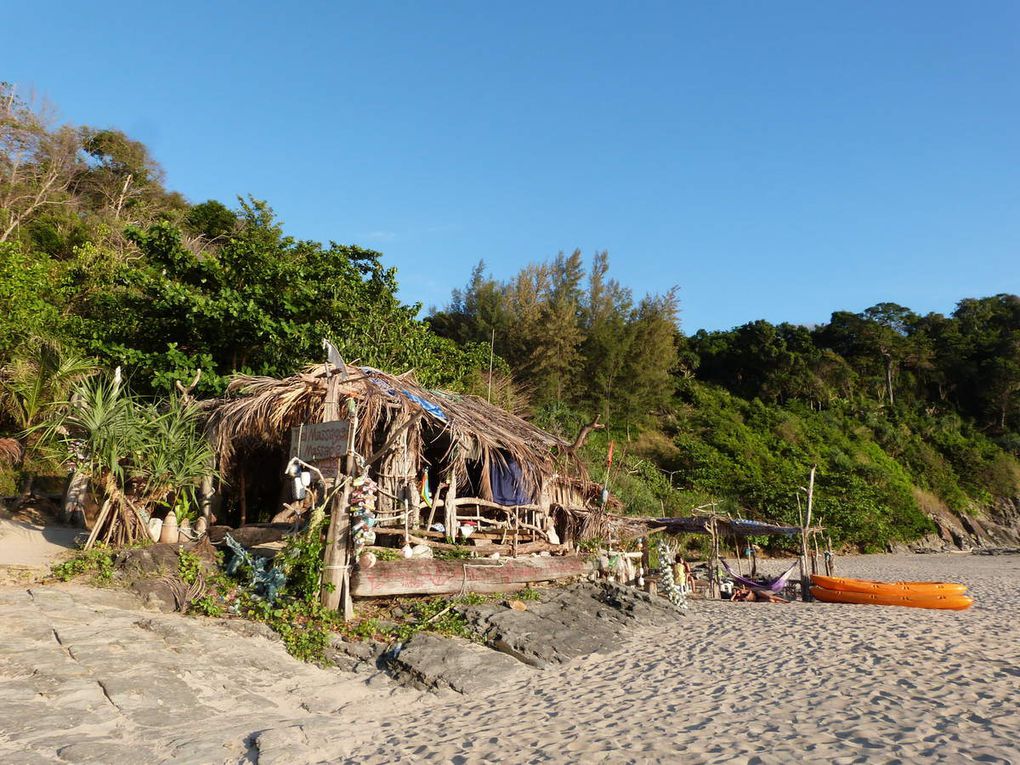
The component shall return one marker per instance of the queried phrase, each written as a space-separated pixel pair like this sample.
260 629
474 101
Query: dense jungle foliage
102 266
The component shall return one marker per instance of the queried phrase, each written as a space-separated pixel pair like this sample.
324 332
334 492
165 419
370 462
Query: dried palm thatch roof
262 410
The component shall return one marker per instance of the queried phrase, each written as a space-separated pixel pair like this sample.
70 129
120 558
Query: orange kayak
954 602
888 588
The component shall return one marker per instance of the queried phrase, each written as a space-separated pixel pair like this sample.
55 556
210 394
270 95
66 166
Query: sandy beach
750 683
762 683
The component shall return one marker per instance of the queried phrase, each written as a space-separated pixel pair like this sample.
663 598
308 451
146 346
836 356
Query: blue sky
775 160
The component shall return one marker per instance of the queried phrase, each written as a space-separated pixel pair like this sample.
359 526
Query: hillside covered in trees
906 416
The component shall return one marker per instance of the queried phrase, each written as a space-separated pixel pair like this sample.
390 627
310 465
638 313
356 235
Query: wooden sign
321 444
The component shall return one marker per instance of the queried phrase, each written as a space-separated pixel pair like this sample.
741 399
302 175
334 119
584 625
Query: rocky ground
87 675
592 674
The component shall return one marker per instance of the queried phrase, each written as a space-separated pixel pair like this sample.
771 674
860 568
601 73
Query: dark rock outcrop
568 623
995 526
434 662
565 624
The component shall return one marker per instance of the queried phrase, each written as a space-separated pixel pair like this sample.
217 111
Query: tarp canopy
729 527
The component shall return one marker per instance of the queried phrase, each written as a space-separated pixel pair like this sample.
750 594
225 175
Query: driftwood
582 436
439 577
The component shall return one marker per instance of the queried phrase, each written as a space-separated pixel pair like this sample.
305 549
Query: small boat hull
867 586
955 602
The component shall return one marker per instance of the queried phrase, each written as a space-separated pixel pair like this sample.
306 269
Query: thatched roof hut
473 452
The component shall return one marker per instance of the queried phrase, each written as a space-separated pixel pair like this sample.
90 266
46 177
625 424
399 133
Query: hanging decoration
362 509
675 591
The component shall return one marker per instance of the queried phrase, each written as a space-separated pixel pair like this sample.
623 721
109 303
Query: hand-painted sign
321 444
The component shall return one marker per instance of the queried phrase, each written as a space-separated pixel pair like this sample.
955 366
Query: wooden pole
714 589
336 575
646 564
517 526
242 500
450 506
492 354
805 579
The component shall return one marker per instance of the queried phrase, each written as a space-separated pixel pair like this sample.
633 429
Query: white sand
765 683
28 549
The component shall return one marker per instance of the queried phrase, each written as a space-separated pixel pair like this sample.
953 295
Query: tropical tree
33 390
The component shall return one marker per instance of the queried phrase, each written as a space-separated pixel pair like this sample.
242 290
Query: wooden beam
438 577
393 438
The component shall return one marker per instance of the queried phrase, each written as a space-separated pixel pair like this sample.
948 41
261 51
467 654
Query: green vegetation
905 415
96 564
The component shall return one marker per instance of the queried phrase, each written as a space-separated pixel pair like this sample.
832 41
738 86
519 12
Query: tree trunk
888 378
74 497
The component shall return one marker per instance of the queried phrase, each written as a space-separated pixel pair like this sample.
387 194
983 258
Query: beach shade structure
773 585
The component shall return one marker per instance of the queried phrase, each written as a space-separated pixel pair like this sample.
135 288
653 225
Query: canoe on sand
870 587
945 602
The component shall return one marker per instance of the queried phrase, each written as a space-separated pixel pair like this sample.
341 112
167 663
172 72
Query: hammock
775 585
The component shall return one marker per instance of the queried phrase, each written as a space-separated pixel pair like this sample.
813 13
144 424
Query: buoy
168 534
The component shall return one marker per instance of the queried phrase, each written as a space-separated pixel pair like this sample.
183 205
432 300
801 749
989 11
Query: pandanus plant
177 456
141 455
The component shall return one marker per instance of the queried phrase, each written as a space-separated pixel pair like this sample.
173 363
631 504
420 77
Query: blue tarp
428 406
508 484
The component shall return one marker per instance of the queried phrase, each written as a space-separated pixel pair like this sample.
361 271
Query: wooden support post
805 579
644 578
242 499
336 574
714 589
517 526
450 507
407 513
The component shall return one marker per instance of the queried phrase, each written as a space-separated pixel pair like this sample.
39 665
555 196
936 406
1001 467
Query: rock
434 662
249 629
143 570
368 650
996 525
88 677
159 559
568 623
997 551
